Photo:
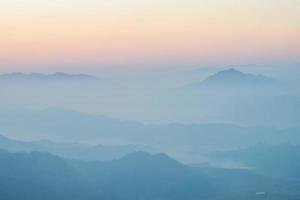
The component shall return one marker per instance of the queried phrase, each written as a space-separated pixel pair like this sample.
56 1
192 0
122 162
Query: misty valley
211 134
149 99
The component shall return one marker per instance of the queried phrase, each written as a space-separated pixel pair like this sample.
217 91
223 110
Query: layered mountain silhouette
63 124
139 175
72 150
58 76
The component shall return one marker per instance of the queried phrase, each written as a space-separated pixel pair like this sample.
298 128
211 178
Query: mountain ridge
72 150
57 76
59 178
233 78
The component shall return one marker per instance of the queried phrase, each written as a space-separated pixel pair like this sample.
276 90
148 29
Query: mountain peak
231 70
232 77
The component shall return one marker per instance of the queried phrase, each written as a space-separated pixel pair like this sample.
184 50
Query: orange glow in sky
143 31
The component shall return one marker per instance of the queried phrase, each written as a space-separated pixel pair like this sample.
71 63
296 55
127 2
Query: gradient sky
123 33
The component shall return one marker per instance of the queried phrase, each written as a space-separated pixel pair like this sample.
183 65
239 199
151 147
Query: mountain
72 150
185 142
137 176
232 77
58 76
37 176
232 81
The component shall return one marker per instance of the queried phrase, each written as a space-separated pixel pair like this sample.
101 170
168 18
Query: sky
79 34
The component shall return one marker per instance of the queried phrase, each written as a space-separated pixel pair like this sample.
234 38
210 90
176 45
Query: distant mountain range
58 76
136 176
68 125
233 79
37 175
72 150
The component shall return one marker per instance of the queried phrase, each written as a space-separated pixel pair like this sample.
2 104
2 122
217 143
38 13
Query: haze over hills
106 171
273 160
72 150
58 76
137 97
182 141
139 175
149 100
232 96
